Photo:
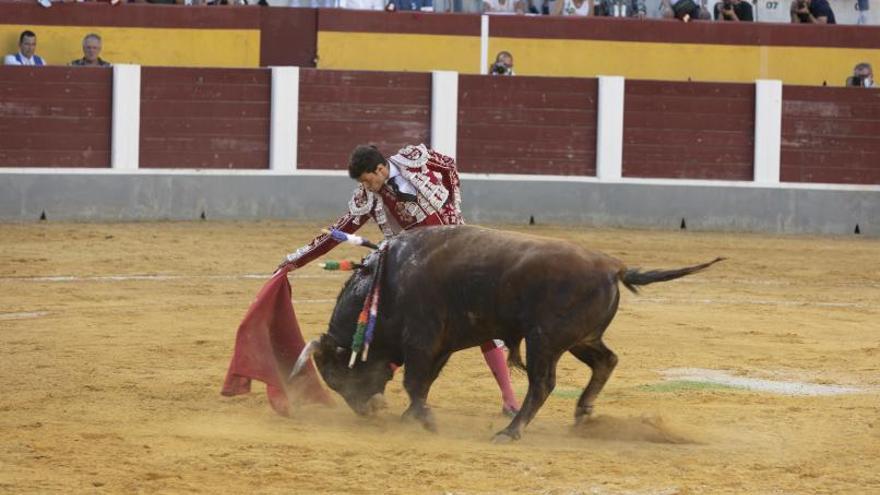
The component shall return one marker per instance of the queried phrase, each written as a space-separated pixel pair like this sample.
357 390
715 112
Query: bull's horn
303 358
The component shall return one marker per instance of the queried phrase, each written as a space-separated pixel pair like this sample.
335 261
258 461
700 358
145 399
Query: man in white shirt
27 45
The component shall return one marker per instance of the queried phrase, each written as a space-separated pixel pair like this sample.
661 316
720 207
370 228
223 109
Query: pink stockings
496 361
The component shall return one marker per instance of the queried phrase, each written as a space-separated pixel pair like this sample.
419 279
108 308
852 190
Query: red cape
268 342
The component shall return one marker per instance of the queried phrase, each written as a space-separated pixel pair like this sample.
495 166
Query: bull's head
362 386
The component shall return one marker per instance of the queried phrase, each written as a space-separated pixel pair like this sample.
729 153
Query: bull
449 288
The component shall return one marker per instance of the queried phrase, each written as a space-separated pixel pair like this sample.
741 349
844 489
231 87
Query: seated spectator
27 45
863 76
91 51
733 10
468 6
362 4
503 65
863 6
812 12
538 7
621 8
578 8
504 6
683 10
404 5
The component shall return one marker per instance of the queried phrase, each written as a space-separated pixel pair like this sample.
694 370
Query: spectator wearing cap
27 46
91 46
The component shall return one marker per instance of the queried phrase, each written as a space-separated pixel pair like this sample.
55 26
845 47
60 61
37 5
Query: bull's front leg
420 372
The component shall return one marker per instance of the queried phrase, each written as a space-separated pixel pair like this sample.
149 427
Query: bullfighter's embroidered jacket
437 202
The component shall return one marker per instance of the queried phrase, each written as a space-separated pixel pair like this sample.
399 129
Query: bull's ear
330 347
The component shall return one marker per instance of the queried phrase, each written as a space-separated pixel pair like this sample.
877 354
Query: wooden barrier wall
527 125
830 135
341 109
204 118
220 119
688 130
55 116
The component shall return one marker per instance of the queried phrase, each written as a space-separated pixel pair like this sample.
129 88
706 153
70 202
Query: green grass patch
568 393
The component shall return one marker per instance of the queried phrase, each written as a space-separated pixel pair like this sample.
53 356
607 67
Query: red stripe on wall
664 31
398 22
342 109
288 37
688 130
830 135
204 118
55 117
527 125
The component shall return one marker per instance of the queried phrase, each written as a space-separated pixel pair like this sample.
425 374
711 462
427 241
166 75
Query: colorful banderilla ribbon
342 265
366 322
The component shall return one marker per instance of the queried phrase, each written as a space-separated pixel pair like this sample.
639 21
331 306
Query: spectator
863 76
539 7
863 6
27 45
468 6
504 6
812 12
503 65
578 8
416 5
91 51
684 10
733 10
362 4
621 8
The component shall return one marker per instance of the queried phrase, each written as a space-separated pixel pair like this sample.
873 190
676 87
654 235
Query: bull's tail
632 277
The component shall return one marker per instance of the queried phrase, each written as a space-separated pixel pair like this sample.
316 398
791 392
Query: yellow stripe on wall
398 52
144 46
588 58
678 62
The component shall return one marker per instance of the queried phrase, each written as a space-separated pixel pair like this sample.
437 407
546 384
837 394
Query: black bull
450 288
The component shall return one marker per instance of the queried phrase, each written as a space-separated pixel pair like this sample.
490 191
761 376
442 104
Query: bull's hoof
377 402
582 414
430 425
504 436
425 417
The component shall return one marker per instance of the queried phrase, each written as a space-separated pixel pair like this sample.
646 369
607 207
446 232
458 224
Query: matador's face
373 181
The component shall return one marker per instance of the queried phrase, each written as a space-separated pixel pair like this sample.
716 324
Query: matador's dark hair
364 158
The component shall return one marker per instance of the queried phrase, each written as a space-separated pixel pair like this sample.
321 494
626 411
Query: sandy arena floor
114 341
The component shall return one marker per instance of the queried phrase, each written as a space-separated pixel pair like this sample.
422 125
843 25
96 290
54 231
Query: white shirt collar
402 183
392 171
